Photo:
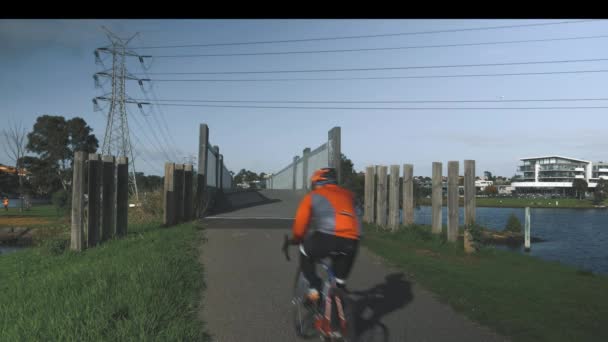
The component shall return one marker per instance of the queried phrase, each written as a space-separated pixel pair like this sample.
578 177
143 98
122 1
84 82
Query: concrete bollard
437 199
393 202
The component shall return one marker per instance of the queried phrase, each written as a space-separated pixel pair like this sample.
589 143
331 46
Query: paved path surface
249 285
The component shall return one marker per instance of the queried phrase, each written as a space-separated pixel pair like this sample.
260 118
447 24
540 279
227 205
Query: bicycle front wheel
303 314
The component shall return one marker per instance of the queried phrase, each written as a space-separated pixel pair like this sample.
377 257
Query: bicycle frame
330 290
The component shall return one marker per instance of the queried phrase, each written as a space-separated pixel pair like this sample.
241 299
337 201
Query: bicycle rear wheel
303 314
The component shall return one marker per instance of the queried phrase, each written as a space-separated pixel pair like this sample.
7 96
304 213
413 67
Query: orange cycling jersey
331 210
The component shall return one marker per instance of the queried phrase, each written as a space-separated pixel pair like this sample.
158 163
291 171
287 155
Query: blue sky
46 67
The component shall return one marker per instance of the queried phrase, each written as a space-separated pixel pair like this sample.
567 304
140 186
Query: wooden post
305 157
370 188
188 193
178 188
437 199
469 203
453 201
94 205
78 188
168 195
381 197
527 231
408 194
393 202
108 198
294 167
122 196
203 159
334 142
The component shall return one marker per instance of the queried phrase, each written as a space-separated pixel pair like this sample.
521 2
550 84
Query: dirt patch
427 252
22 221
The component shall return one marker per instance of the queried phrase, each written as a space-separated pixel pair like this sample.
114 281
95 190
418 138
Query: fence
296 175
178 203
213 177
382 193
100 192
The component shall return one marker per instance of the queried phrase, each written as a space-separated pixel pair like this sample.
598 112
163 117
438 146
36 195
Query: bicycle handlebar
286 242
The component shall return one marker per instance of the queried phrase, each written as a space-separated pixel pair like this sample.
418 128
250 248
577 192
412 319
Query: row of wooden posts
380 189
100 199
178 202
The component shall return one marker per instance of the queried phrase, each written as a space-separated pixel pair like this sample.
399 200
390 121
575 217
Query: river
578 237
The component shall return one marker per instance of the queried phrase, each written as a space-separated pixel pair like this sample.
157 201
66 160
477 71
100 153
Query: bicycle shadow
371 305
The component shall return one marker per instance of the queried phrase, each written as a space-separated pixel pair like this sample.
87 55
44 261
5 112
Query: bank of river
577 237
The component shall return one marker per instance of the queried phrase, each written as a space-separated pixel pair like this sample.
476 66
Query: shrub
513 224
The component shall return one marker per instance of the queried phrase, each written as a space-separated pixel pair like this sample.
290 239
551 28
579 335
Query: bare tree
14 146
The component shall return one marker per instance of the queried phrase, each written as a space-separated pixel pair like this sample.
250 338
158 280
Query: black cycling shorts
342 252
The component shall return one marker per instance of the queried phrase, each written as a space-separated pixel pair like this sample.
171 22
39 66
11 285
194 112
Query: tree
491 190
246 176
515 178
513 224
601 191
580 186
55 140
42 179
352 180
14 147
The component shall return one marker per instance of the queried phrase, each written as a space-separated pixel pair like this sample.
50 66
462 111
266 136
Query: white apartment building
557 172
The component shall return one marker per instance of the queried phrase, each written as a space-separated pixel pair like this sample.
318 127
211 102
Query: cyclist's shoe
313 296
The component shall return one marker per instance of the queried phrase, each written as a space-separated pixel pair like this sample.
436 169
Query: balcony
579 177
602 170
579 169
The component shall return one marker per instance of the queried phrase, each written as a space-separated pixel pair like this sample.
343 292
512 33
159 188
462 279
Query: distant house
505 189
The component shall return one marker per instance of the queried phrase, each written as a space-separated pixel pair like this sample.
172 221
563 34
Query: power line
383 108
366 36
158 125
158 144
161 114
376 49
393 101
381 77
382 68
140 154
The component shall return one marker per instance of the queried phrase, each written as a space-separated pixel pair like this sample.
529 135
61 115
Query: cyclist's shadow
369 306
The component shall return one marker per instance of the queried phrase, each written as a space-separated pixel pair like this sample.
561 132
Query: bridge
249 282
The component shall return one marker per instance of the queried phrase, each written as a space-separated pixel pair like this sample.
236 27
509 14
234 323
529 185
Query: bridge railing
296 175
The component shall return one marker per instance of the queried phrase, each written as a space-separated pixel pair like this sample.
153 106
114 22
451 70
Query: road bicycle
328 318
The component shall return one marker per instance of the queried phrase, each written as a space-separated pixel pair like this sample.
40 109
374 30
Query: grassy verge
506 202
144 287
522 297
37 217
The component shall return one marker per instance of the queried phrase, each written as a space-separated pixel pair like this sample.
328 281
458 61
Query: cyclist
330 209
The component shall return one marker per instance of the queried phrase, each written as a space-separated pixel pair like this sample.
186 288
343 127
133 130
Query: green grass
507 202
38 216
144 287
520 296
